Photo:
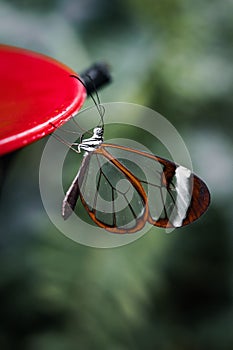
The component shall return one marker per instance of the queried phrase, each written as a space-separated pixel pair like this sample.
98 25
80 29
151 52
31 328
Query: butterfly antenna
96 101
60 139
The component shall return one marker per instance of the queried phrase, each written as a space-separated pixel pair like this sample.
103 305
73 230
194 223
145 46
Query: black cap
96 77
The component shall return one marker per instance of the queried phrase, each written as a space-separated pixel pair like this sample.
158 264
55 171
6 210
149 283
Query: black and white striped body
90 144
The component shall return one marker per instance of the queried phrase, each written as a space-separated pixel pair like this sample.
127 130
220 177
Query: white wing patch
184 194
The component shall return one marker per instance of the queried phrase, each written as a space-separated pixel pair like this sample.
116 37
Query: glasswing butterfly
122 188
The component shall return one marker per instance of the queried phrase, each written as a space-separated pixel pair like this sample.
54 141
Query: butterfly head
90 144
98 132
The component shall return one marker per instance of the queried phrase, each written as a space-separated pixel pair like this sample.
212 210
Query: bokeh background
167 292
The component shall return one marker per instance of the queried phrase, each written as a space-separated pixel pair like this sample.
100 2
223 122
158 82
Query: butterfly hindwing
106 190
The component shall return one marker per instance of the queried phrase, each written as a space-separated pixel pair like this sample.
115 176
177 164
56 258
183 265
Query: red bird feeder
36 94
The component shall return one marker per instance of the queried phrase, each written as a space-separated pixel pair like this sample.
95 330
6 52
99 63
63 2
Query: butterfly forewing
175 196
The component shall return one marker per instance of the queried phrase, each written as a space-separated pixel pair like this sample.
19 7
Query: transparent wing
175 196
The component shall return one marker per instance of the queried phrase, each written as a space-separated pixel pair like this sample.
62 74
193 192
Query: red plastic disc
35 91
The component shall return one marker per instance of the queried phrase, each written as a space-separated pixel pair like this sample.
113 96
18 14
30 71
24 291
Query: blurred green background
167 292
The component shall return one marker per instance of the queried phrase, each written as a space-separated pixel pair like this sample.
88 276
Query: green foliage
41 6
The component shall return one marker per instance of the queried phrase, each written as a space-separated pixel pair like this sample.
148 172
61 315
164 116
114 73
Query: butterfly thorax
90 144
